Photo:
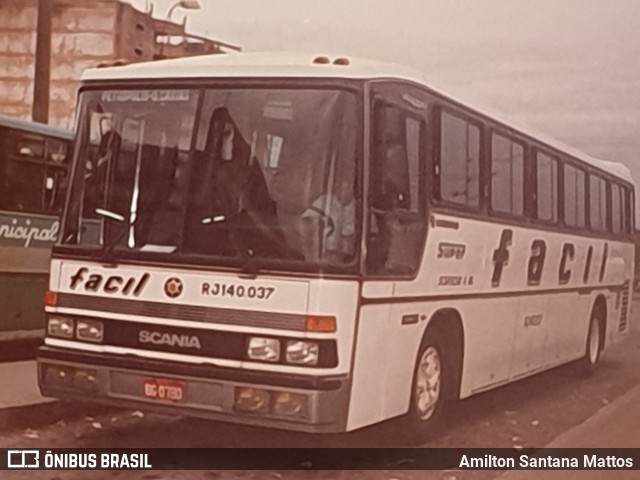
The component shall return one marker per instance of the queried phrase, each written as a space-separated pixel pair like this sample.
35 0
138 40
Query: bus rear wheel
431 380
593 348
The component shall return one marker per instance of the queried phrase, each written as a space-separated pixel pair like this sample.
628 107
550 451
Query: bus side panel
340 299
375 347
568 319
23 281
388 340
23 259
506 338
488 329
524 296
21 304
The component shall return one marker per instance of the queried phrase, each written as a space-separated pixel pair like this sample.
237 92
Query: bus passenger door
396 219
389 331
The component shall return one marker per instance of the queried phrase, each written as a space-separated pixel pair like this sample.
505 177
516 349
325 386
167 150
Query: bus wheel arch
447 323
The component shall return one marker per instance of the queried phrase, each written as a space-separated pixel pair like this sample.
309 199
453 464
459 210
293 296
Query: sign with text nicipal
28 231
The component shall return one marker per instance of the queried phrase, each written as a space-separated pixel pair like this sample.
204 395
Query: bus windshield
247 177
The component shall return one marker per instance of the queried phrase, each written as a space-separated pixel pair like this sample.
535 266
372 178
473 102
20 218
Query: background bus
322 244
33 176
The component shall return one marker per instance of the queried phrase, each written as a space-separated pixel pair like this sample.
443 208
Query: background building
85 33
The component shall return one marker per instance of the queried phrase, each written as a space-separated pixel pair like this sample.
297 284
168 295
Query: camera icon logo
23 459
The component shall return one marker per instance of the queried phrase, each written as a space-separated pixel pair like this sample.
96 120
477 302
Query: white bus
321 244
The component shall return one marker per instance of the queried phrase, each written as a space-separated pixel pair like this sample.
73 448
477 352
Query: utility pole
42 78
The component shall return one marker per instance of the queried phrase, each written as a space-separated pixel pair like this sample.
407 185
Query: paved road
22 379
615 426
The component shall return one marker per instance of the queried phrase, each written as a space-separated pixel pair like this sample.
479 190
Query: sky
568 68
371 24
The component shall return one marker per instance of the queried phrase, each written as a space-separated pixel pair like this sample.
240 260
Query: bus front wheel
431 378
593 348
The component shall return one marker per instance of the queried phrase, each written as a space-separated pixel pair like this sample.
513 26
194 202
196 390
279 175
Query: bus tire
432 378
593 348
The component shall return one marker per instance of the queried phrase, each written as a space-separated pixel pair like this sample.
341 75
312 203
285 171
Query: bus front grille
197 313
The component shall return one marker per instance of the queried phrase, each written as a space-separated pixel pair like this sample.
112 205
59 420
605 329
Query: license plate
160 389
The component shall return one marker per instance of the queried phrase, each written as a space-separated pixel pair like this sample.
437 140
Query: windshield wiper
107 250
103 212
245 253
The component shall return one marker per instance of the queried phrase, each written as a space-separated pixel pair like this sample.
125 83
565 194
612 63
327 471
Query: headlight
252 400
302 352
60 327
264 349
90 330
289 404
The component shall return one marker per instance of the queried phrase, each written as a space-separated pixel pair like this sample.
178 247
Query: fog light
60 327
289 404
252 400
302 352
90 330
54 374
265 349
85 378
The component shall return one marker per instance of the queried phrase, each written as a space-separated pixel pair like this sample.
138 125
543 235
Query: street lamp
186 4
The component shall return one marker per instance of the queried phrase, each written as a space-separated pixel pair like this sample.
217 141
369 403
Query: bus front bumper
274 400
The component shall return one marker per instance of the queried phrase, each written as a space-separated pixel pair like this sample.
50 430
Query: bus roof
303 65
35 127
252 65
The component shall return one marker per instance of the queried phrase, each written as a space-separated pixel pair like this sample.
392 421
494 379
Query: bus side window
546 188
616 209
23 173
391 176
396 226
507 175
104 142
459 162
56 154
630 217
597 203
574 196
